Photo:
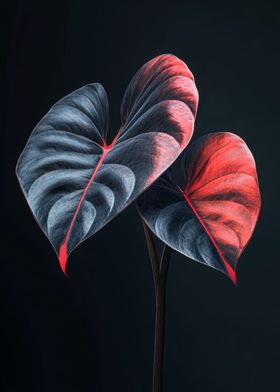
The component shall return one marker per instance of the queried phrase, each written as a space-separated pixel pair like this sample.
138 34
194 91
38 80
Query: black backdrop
94 332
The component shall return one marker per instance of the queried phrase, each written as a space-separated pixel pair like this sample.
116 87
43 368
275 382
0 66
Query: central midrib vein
229 269
63 254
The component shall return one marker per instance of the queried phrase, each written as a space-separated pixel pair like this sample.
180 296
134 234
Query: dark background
94 332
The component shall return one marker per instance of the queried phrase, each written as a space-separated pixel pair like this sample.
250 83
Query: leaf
212 219
74 181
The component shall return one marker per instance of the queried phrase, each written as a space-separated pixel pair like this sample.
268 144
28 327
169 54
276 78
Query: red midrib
63 254
230 271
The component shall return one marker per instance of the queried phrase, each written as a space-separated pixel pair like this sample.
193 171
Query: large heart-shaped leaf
74 181
212 218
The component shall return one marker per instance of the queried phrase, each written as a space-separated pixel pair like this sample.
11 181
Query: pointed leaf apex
231 274
63 257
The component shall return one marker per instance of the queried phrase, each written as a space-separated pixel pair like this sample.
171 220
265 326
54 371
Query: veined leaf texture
74 182
212 218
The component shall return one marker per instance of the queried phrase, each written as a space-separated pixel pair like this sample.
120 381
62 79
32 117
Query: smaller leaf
212 219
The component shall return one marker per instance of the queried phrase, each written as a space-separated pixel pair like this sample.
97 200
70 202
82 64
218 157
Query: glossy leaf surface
213 217
74 181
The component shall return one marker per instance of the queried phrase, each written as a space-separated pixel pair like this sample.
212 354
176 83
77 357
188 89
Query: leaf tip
231 274
63 257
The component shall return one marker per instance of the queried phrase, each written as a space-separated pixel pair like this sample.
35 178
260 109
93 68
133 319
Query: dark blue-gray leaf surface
74 181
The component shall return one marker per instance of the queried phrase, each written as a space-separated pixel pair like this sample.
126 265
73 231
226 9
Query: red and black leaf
212 219
75 182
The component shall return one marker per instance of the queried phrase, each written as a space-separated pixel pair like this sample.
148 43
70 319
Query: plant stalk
160 272
152 253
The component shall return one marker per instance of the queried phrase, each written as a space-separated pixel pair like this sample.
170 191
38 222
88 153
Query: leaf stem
160 272
152 253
